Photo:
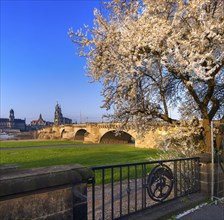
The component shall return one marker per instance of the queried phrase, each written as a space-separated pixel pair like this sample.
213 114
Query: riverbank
16 135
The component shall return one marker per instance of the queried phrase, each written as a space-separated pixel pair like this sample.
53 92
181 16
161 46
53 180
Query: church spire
58 117
11 115
11 119
40 117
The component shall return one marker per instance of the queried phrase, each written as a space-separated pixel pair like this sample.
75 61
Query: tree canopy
151 55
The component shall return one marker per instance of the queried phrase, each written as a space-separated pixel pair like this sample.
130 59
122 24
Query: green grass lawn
30 143
84 155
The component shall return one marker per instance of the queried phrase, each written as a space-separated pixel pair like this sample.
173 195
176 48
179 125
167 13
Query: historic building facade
58 117
40 123
12 122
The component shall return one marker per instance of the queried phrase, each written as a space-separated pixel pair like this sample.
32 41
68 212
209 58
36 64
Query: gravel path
135 199
54 146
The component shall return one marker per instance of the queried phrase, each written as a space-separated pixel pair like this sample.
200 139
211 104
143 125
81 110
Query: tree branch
215 107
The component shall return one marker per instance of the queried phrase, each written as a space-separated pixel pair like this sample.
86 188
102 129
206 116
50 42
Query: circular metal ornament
160 183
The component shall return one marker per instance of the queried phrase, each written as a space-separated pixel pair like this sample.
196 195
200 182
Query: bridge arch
63 133
80 134
110 137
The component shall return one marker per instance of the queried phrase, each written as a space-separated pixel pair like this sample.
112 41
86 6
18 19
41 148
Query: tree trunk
207 135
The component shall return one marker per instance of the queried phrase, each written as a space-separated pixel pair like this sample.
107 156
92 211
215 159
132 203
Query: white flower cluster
150 55
181 141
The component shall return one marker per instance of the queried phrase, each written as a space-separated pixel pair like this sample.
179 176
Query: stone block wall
92 134
58 192
206 179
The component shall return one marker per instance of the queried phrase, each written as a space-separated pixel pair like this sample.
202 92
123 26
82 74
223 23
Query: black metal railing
119 190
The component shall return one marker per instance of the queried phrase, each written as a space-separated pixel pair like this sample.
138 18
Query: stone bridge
100 133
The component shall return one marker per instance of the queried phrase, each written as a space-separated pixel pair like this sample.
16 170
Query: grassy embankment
85 155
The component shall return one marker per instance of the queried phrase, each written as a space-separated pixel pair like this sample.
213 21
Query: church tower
58 117
11 119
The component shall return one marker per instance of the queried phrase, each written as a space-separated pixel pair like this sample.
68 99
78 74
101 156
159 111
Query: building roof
35 121
19 120
67 118
15 120
40 119
4 120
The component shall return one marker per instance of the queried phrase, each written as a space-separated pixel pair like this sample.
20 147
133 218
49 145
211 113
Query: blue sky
39 63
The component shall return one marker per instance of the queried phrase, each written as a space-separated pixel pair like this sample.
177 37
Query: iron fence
120 190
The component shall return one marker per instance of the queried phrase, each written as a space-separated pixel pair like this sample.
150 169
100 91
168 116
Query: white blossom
153 54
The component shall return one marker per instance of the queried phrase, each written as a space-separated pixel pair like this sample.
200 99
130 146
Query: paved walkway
207 212
47 146
57 146
166 210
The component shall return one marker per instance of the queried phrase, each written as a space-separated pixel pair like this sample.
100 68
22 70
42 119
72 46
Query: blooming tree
150 55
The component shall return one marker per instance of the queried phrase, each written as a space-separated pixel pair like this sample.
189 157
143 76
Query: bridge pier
92 134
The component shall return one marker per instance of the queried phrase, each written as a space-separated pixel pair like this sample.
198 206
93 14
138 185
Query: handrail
145 162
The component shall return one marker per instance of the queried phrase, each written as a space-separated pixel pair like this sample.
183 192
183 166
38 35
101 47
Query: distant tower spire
58 117
11 115
11 118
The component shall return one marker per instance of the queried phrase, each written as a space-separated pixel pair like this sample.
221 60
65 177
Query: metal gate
120 190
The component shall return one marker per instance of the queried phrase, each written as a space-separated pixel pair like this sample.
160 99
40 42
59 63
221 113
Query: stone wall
58 192
206 178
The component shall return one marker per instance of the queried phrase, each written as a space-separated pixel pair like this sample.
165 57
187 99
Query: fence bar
184 176
93 199
181 178
142 188
136 188
212 151
120 191
103 204
144 185
195 174
128 189
112 193
175 178
188 176
192 174
198 174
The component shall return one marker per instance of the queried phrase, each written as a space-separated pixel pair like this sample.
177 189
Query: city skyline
75 119
39 63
